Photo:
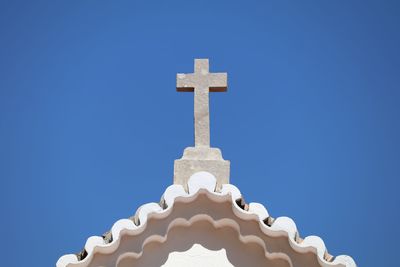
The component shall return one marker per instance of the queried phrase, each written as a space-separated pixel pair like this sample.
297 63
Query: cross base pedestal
196 159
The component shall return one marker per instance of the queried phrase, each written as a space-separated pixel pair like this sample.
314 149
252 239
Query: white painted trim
206 181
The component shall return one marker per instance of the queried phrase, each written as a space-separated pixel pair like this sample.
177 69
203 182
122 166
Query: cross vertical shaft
201 118
201 82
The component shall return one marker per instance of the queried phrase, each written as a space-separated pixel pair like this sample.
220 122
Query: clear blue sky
90 121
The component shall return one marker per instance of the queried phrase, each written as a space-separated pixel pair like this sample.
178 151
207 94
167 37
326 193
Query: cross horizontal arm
185 82
218 82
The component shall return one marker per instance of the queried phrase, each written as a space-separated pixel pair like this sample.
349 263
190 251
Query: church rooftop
202 207
225 208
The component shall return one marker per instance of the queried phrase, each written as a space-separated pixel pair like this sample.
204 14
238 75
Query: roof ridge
200 182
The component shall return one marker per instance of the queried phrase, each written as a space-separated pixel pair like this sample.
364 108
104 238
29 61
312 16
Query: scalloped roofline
206 182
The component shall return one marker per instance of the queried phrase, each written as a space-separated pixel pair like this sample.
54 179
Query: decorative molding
153 221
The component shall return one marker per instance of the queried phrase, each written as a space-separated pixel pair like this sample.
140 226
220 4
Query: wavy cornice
199 228
153 221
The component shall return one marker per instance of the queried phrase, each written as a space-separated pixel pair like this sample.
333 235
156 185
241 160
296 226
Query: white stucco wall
198 256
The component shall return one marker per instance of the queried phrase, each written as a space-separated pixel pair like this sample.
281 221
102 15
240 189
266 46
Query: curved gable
214 219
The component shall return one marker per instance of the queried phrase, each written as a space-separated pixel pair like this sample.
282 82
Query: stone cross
201 157
201 82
